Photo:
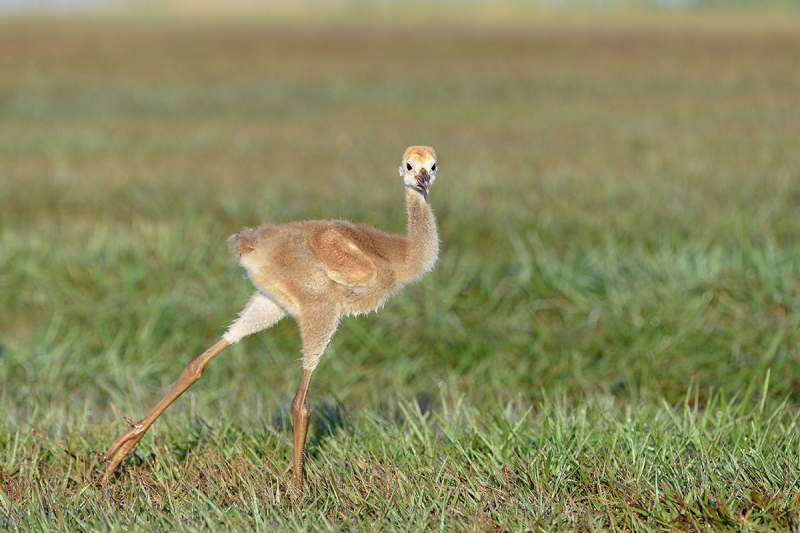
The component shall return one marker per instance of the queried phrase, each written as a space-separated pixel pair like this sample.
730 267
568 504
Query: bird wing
345 263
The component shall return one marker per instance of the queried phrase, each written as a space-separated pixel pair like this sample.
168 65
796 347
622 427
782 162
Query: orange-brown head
418 168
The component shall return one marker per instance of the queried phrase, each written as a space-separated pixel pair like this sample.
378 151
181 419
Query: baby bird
317 272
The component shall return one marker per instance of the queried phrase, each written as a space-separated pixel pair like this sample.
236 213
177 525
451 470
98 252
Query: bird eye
408 166
433 168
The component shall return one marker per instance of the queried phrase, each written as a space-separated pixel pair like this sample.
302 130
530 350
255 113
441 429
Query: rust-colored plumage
316 271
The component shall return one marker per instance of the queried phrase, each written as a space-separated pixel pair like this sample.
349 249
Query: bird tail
244 242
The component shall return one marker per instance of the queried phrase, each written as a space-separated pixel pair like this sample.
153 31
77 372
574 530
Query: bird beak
423 180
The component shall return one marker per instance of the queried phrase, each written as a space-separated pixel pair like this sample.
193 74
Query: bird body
358 266
317 271
352 265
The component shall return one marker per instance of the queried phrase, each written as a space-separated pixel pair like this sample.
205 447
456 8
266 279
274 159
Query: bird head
418 168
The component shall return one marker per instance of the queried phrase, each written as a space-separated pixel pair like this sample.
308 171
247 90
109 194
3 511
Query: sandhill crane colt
316 271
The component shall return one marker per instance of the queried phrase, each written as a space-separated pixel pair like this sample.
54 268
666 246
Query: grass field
610 340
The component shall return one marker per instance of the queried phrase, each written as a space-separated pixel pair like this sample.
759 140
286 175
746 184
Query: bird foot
295 490
121 447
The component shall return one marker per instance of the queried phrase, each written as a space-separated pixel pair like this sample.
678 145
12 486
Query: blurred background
617 198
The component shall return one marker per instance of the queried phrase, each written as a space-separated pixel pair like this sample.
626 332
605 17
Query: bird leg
300 416
259 314
317 326
123 445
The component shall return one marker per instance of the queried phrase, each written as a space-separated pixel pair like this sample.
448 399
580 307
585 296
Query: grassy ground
610 340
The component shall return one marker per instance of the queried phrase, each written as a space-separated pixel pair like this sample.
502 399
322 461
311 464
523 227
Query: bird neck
423 237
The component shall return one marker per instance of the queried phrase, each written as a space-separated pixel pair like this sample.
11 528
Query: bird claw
128 421
120 449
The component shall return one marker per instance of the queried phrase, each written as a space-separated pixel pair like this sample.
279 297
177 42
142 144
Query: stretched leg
130 438
260 313
316 328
